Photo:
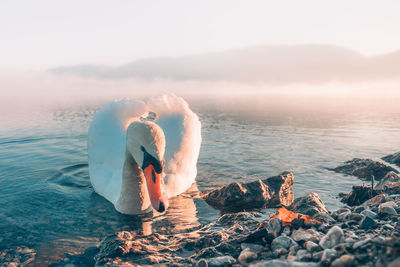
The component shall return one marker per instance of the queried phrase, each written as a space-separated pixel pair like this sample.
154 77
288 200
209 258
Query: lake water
47 202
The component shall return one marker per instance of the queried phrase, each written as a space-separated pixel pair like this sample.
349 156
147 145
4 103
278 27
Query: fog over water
249 130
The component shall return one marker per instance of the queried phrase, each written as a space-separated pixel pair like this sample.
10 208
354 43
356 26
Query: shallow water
47 203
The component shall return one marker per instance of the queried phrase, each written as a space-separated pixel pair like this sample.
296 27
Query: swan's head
146 142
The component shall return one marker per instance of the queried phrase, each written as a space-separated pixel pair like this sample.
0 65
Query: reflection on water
47 202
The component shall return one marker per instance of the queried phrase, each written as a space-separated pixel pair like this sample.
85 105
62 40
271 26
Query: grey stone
367 223
274 226
387 209
282 242
311 246
344 261
334 237
369 213
221 261
304 235
284 263
303 255
328 255
310 204
252 247
246 256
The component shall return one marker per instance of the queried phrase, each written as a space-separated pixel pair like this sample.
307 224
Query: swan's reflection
181 216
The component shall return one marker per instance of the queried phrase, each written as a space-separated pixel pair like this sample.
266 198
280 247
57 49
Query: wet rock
221 261
367 223
281 187
271 192
310 205
359 194
334 237
19 256
393 158
247 256
344 261
328 256
376 200
392 188
283 242
387 209
274 226
284 263
365 169
390 177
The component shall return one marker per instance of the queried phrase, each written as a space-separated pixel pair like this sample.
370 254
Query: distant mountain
276 64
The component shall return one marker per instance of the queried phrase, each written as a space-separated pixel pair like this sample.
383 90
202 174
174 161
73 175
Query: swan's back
107 143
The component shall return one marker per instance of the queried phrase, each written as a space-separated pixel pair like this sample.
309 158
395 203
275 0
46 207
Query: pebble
284 263
303 255
328 255
216 262
388 227
387 209
283 242
343 261
301 235
369 213
334 237
247 256
311 246
367 223
252 247
274 226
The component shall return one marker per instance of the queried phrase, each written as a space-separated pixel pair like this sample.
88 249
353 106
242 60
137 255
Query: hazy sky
41 34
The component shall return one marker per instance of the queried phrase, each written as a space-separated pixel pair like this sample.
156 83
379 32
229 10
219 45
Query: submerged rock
365 169
19 256
271 192
393 158
310 205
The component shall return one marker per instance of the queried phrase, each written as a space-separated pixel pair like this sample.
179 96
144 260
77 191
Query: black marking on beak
161 207
154 176
149 159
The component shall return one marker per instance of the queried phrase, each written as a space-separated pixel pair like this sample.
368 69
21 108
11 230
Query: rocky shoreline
365 232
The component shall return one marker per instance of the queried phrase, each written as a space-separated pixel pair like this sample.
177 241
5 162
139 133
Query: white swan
135 163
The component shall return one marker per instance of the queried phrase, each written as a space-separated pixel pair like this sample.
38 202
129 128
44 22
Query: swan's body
121 146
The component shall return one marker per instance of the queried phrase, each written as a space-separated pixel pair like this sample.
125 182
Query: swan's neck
134 198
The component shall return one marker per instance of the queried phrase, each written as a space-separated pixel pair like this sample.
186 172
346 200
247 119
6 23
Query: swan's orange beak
156 188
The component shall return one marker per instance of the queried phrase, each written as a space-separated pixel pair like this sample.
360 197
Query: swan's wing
182 131
107 144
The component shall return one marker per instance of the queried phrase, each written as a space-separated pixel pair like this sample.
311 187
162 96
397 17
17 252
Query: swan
141 153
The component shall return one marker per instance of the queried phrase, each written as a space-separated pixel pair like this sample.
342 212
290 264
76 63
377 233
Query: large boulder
390 177
393 158
310 204
365 169
272 192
